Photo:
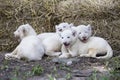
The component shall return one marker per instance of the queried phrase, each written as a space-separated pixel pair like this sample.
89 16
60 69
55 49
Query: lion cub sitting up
70 42
30 46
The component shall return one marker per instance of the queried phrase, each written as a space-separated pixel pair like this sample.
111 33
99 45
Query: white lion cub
53 44
70 42
92 46
30 46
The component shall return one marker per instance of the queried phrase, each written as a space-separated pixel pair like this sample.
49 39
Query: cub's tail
109 53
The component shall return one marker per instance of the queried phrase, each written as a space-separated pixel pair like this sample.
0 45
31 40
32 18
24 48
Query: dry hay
38 13
104 15
86 7
43 15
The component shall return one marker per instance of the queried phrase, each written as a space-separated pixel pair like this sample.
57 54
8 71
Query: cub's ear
89 27
27 24
74 32
56 26
71 25
24 30
59 34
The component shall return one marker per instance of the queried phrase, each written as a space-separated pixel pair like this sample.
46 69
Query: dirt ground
49 69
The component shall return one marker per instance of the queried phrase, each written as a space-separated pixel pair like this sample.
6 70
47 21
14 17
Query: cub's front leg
65 53
11 55
73 50
91 53
73 53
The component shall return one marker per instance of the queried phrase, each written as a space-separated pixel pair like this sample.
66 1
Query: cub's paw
57 54
8 56
63 56
83 55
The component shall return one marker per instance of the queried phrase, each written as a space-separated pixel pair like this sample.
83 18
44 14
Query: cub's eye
79 32
62 37
64 26
68 37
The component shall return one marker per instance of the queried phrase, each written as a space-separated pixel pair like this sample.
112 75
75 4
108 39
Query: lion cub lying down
51 41
30 46
92 46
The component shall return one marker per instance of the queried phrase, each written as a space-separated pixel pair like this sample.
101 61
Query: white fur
59 28
43 36
84 32
95 45
92 46
52 45
51 41
69 44
23 31
30 46
62 26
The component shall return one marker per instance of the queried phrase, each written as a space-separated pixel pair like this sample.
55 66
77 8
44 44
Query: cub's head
62 26
84 32
68 37
23 31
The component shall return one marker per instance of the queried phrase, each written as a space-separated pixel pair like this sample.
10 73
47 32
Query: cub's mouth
66 44
84 40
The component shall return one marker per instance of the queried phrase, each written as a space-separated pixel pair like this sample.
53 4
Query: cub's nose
60 29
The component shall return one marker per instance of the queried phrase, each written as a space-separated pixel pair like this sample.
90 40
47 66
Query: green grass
50 77
68 76
37 70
